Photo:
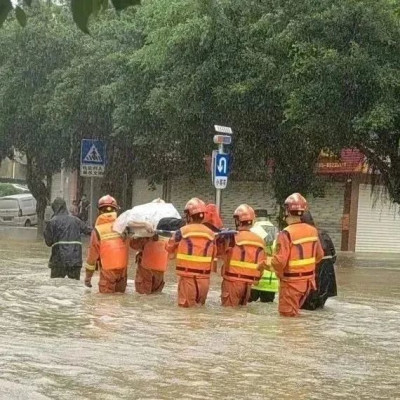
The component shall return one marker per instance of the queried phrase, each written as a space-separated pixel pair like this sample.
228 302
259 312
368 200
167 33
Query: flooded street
60 340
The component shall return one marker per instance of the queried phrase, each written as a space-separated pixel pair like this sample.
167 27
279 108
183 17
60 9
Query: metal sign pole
91 203
218 192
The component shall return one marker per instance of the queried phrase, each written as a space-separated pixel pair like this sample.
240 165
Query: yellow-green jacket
268 232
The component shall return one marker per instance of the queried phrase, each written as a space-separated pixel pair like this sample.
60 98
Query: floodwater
60 340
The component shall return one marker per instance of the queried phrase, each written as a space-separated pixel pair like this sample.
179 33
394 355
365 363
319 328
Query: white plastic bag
149 212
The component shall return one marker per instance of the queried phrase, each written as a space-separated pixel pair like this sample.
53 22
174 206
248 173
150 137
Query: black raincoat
325 277
63 235
325 273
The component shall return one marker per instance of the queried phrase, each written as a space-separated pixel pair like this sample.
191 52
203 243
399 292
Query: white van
18 209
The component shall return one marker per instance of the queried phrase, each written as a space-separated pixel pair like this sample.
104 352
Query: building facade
358 216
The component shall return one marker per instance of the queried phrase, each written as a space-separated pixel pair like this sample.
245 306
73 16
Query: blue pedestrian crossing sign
93 158
220 170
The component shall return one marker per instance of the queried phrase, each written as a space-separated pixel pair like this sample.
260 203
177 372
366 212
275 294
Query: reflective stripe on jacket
67 242
269 282
245 257
303 248
195 252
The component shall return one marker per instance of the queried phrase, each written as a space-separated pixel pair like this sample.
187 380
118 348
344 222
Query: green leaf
21 16
5 8
122 4
28 2
96 6
81 10
104 5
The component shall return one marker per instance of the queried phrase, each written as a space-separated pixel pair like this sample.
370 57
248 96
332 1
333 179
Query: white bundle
149 212
259 231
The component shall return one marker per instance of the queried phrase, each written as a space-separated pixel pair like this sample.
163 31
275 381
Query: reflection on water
60 340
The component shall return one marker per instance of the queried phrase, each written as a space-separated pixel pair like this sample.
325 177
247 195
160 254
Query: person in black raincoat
325 271
63 235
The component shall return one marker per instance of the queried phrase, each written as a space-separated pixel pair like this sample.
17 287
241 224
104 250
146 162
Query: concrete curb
18 233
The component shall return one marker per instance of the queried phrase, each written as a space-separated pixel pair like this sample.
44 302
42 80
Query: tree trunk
39 191
40 210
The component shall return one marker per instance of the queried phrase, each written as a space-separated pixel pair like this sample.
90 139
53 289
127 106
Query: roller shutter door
378 223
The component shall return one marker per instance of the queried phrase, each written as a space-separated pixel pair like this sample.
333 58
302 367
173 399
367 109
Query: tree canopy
291 78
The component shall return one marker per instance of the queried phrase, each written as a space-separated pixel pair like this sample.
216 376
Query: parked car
18 209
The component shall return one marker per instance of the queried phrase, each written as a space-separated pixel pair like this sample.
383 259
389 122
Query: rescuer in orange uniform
245 259
152 261
298 252
108 249
213 220
194 248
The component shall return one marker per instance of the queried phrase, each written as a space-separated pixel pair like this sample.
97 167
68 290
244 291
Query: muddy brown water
60 340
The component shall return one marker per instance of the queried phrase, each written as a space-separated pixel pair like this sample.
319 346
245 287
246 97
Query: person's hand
125 234
88 278
148 227
88 282
261 267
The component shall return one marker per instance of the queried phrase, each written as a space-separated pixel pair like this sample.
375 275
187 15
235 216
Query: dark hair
245 223
107 209
307 218
198 218
242 223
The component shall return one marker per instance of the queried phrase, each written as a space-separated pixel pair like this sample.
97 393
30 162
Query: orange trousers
235 293
148 281
292 295
192 291
112 281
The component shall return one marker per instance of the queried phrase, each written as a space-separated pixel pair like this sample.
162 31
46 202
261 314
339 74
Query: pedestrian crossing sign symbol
93 155
93 160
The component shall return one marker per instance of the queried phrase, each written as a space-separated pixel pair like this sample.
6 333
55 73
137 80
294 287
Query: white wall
141 193
327 211
67 189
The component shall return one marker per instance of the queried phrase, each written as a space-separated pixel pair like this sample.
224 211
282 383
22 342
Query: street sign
222 139
221 170
93 158
223 129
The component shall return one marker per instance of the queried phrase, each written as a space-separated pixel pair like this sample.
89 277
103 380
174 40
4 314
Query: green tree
81 10
27 58
85 93
290 77
344 85
219 62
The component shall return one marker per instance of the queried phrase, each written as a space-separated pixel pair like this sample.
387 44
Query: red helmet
244 213
212 216
107 201
195 206
296 204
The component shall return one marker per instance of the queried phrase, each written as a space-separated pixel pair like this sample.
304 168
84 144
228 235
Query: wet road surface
60 340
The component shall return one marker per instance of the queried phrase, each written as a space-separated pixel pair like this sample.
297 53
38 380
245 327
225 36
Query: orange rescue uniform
194 248
111 253
298 252
152 261
213 220
240 272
